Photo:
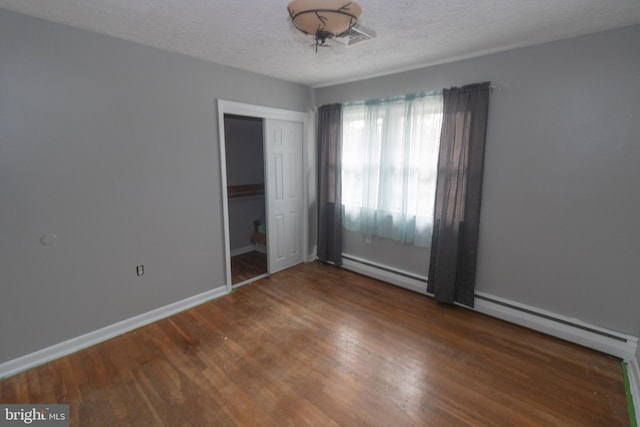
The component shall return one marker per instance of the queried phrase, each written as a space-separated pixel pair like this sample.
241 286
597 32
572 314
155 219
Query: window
389 162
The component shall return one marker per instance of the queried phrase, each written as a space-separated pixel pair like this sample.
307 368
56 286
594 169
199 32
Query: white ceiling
256 35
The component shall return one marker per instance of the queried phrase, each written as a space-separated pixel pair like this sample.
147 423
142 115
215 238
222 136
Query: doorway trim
250 110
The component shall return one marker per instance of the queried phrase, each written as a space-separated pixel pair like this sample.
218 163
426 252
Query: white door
283 153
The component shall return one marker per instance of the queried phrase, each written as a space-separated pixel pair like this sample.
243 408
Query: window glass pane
389 161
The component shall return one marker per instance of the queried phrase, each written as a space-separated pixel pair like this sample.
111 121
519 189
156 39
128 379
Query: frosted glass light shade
324 18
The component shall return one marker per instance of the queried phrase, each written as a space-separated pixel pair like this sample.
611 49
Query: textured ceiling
256 35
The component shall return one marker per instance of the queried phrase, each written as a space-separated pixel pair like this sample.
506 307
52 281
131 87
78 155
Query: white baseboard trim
246 249
64 348
249 281
633 369
242 250
573 330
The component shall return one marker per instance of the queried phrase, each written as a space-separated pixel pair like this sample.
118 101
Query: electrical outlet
140 270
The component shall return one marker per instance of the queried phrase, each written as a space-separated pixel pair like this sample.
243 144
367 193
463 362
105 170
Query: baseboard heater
385 268
386 274
589 329
570 329
573 330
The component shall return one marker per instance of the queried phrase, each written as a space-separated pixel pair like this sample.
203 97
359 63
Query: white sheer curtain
389 166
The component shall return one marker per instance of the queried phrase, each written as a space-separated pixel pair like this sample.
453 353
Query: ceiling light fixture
324 19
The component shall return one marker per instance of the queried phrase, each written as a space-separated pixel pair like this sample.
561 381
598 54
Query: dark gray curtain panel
454 249
330 184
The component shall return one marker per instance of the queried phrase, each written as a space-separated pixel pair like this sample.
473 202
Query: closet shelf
235 191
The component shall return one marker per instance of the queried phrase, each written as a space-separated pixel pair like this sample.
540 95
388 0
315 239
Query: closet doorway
283 220
244 153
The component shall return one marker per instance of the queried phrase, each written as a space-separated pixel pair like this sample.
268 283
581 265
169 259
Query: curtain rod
498 86
493 87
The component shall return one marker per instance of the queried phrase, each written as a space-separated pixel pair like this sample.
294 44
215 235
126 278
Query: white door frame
240 109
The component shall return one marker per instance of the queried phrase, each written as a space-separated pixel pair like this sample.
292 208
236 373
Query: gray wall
560 225
244 150
113 147
387 253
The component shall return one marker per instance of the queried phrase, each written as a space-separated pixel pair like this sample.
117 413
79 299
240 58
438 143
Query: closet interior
244 152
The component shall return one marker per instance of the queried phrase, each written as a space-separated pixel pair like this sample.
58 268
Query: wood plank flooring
247 266
315 345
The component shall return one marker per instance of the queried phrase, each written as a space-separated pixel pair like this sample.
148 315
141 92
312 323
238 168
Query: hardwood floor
315 345
247 266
